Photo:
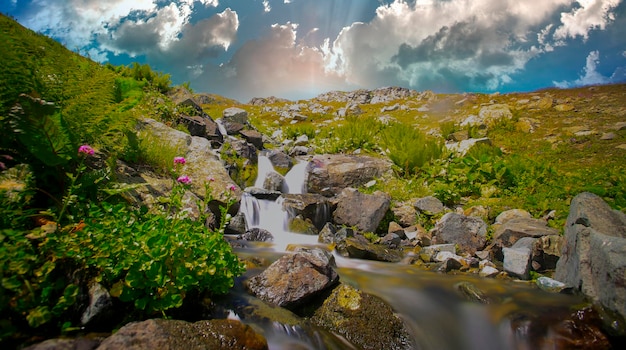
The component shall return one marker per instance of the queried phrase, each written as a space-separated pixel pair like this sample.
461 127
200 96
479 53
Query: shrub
410 149
357 133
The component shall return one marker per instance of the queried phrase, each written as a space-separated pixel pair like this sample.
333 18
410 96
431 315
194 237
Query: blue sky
301 48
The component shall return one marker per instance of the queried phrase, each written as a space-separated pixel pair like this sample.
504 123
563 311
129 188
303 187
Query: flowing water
513 315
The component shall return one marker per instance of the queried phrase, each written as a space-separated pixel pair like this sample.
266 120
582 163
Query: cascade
221 127
295 179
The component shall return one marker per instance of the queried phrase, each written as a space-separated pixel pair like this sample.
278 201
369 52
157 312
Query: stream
511 315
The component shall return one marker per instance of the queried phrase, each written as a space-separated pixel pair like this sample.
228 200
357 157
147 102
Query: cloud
590 14
277 64
591 76
266 6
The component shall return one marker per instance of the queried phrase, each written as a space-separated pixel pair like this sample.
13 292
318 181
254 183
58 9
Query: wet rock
295 278
488 271
245 150
331 235
365 211
313 207
256 234
550 285
363 319
175 334
329 174
471 292
429 205
273 181
279 159
469 233
594 256
302 225
235 115
360 248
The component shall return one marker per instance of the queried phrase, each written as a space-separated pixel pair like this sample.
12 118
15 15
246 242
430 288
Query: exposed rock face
100 308
175 334
329 174
365 211
517 261
468 232
280 159
254 137
363 319
203 127
295 278
594 255
235 115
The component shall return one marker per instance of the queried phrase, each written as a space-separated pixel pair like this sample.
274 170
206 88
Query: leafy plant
409 148
357 133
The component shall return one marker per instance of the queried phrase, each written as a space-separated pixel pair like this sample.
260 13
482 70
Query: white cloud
266 6
590 14
591 76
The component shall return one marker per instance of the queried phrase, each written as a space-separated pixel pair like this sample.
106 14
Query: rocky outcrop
175 334
295 278
365 211
593 259
330 173
363 319
469 233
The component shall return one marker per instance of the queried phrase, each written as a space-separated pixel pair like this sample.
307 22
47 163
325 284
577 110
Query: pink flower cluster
184 179
86 149
180 160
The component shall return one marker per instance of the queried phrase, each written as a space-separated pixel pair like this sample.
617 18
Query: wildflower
211 179
184 179
231 188
86 149
180 160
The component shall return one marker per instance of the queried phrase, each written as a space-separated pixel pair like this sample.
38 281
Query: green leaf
38 316
12 283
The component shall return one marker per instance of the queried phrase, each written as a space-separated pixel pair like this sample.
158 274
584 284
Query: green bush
410 149
356 133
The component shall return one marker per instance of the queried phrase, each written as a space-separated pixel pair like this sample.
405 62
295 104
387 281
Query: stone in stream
176 334
593 259
313 207
365 211
363 319
360 247
517 262
256 234
295 278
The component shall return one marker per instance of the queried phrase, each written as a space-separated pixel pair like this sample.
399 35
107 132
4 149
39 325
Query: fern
41 130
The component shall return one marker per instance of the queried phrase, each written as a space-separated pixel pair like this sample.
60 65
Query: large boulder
176 334
235 115
593 259
295 278
203 126
469 233
365 211
329 174
363 319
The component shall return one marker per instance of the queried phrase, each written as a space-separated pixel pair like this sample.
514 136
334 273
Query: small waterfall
264 168
295 179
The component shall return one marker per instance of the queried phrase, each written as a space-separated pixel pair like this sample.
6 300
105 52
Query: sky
297 49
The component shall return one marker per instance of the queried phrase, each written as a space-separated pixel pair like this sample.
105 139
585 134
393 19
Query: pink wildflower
180 160
211 179
184 179
231 188
86 149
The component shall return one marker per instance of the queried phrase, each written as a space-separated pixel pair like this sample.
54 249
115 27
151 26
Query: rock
254 137
100 309
202 127
365 211
81 343
494 113
527 125
395 228
608 136
593 259
245 150
619 126
256 234
236 115
517 262
429 205
237 224
469 233
427 254
392 240
550 285
232 128
329 174
302 140
471 292
564 107
545 103
176 334
450 261
313 207
507 215
273 181
301 225
360 248
514 229
299 151
363 319
459 135
488 271
405 213
295 278
461 148
279 159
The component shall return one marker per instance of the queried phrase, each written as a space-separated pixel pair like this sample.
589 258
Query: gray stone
273 181
256 234
100 307
516 228
494 113
593 259
507 215
365 211
254 137
331 173
517 262
302 140
236 115
280 159
313 207
245 150
427 254
429 205
550 285
461 148
469 233
488 271
360 248
295 278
